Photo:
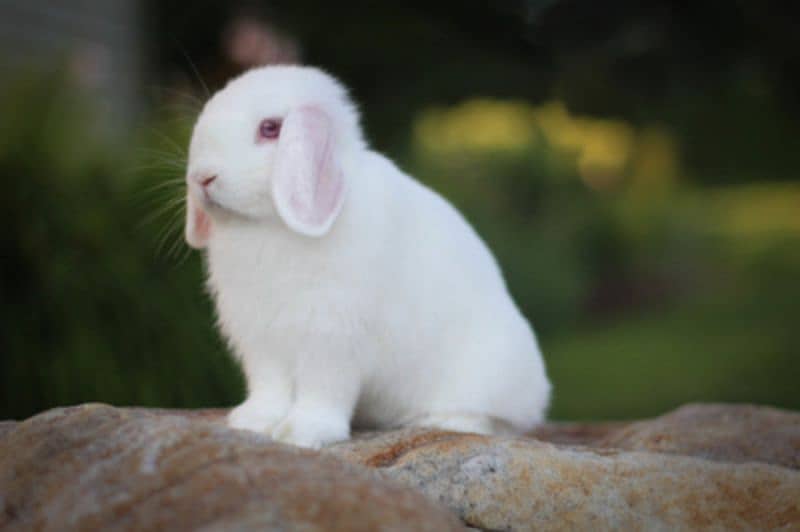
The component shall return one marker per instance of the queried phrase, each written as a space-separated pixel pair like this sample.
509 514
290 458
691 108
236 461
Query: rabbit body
396 315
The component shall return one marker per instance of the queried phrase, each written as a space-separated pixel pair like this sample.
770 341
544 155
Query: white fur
397 315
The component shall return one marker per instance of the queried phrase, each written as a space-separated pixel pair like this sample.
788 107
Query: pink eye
269 129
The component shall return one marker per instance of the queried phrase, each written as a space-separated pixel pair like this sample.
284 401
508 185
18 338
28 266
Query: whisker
175 232
175 248
155 170
187 252
181 94
162 155
171 183
178 148
162 234
161 205
162 211
194 68
167 233
164 191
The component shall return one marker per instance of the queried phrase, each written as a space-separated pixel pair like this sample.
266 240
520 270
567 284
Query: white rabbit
348 290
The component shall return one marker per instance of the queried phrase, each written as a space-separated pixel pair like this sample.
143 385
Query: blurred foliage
725 76
636 178
647 291
90 310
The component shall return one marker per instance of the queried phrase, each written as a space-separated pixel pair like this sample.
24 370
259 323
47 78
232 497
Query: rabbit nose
206 180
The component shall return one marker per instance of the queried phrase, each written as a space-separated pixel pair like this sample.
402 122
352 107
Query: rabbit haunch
348 290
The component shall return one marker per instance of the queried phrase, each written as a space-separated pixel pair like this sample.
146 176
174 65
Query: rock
700 467
6 427
575 433
98 468
524 484
725 433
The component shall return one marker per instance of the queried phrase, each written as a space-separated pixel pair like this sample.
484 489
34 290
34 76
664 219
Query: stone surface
524 484
726 433
100 468
6 426
700 467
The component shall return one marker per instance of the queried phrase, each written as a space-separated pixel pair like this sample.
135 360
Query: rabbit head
274 143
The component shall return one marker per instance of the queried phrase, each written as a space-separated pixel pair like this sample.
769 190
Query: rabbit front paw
255 416
313 429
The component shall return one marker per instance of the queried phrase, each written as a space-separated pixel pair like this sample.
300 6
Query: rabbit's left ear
307 182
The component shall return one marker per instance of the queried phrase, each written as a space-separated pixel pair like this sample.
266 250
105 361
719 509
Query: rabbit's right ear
198 224
307 181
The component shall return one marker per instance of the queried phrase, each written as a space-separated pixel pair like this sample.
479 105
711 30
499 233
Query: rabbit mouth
214 206
211 204
208 203
217 209
207 200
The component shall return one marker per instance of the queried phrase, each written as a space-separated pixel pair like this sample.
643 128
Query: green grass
730 349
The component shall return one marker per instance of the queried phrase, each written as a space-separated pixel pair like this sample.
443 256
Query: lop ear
198 224
307 182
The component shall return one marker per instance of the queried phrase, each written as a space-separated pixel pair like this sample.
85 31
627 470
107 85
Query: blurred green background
633 165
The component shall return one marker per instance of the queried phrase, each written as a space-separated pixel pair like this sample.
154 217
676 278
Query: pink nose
205 181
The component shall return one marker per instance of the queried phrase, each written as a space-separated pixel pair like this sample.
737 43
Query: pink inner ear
198 224
308 182
325 193
202 225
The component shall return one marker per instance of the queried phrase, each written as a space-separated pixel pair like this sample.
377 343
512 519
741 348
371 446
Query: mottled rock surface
700 467
518 484
100 468
725 433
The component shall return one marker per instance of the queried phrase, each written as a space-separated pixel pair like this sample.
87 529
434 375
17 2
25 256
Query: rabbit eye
269 129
